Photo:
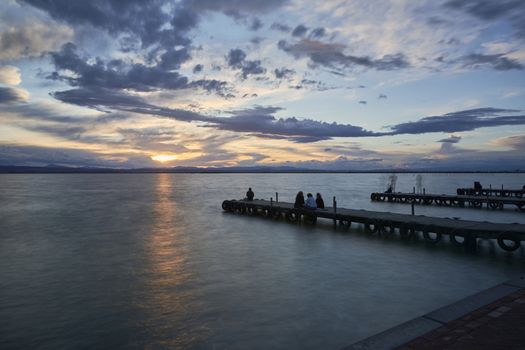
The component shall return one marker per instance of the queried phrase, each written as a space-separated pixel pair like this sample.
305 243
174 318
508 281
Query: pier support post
412 204
271 202
471 244
276 197
335 212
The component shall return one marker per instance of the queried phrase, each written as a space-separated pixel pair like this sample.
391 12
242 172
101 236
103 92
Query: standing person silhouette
299 200
319 201
250 194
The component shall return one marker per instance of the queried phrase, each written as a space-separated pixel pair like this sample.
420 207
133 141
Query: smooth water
151 261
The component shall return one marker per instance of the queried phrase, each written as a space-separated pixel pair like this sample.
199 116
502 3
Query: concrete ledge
402 334
396 336
471 303
518 282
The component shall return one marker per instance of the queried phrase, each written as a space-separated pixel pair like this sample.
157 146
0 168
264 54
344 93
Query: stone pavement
491 319
499 325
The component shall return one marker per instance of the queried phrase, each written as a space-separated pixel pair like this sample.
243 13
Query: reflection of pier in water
462 233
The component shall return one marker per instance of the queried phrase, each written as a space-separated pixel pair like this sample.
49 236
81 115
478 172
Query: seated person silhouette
319 201
250 194
310 202
299 200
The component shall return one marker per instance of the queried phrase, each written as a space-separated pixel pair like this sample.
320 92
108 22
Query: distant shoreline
65 170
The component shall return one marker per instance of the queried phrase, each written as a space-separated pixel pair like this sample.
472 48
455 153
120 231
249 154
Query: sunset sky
337 85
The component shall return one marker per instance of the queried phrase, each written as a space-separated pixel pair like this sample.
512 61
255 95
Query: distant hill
56 169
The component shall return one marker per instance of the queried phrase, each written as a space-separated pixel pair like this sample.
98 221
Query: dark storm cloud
10 95
332 55
280 27
236 59
496 61
299 31
461 121
490 10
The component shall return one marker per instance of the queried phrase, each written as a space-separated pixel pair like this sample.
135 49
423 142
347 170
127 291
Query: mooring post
412 203
423 191
335 212
414 189
271 202
276 197
471 243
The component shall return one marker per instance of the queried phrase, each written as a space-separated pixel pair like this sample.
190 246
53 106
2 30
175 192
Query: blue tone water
150 260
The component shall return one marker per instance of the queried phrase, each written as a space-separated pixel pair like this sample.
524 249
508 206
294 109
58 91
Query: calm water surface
150 260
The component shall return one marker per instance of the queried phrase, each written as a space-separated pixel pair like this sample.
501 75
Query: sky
333 85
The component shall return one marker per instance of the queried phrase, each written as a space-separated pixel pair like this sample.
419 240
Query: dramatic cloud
516 142
31 39
144 20
283 73
451 139
317 33
236 59
333 56
10 75
280 27
262 120
43 156
12 95
489 10
299 31
116 74
198 68
461 121
497 61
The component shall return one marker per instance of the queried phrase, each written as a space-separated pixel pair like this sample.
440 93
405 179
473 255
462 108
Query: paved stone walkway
500 325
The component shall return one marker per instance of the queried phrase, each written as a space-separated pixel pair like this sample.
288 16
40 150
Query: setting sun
164 158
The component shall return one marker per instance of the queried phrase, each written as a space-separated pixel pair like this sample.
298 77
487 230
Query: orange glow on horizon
163 158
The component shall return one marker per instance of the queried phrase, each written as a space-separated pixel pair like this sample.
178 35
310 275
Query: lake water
150 261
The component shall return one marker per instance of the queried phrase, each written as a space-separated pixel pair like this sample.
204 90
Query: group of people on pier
300 202
310 203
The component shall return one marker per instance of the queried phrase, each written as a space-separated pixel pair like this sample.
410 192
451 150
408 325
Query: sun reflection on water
167 291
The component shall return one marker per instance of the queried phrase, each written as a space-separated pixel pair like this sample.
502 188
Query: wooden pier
462 233
491 192
491 202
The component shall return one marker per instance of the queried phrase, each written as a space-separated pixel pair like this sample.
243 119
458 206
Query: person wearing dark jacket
319 200
250 194
299 200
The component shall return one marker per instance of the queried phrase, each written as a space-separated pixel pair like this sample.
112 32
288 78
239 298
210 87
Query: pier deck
462 233
491 192
491 202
